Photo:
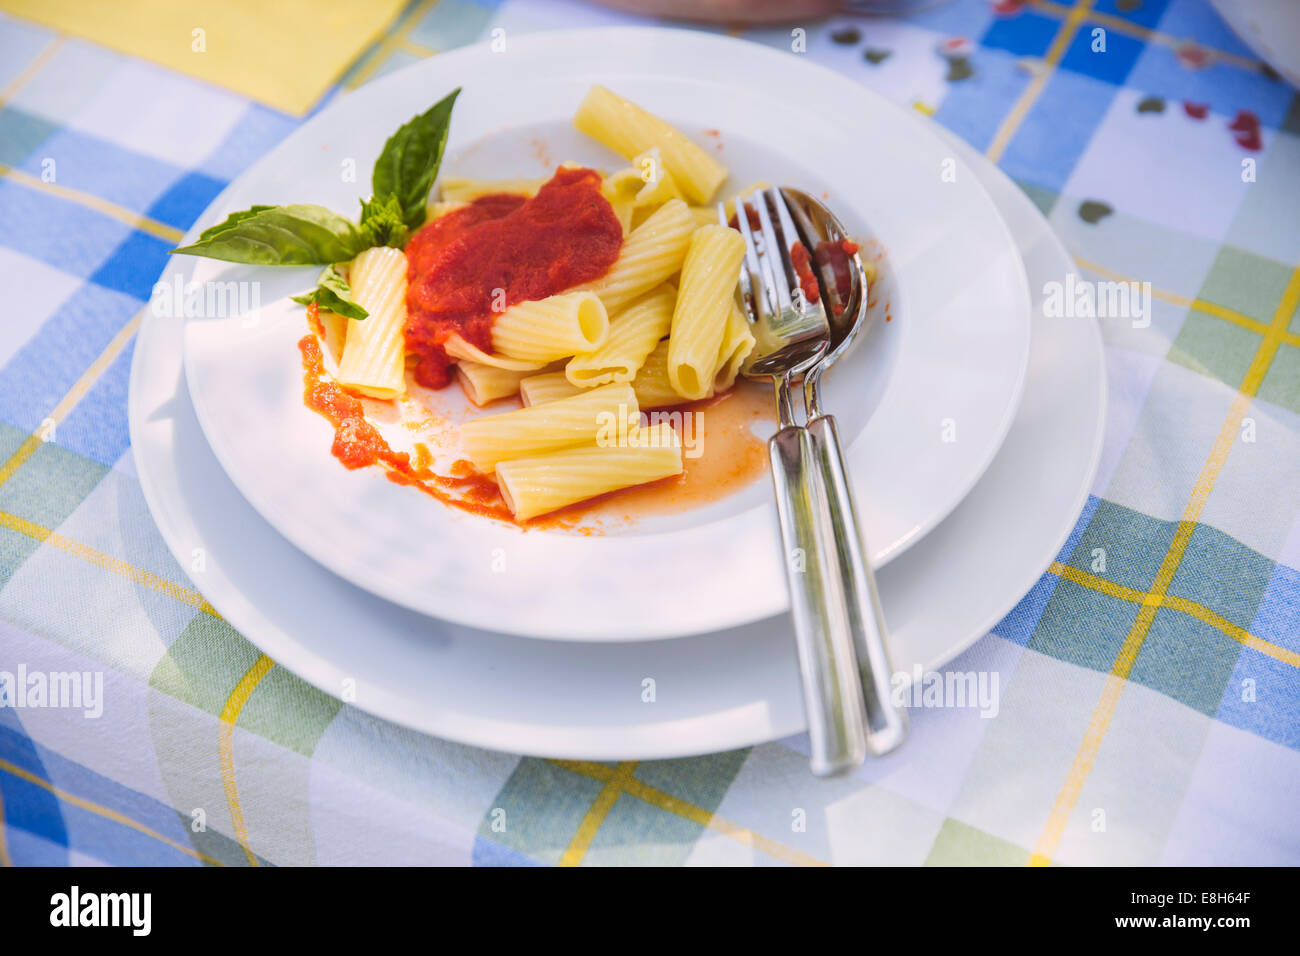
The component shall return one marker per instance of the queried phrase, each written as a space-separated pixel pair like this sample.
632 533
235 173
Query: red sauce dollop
527 249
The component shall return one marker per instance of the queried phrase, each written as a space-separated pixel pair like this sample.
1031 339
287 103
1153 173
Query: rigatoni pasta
633 334
373 354
706 295
459 348
659 183
486 383
629 130
651 253
538 485
464 189
547 427
546 387
651 385
621 190
737 343
551 328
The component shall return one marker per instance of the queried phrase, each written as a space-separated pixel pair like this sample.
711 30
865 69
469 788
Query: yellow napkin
284 53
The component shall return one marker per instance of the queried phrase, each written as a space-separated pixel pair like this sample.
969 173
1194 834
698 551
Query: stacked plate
974 423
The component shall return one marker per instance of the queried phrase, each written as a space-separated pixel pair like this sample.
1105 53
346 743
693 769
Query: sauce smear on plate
358 444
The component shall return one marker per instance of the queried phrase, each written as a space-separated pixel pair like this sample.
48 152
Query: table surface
1149 707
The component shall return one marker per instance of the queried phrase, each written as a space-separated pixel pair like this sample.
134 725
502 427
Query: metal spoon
886 723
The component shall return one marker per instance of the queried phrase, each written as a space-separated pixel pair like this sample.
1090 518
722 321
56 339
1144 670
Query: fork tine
774 257
753 284
792 235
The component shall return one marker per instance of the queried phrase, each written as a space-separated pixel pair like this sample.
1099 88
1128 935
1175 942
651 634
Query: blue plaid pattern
1150 705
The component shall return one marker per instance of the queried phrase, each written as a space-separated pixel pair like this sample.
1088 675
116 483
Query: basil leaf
333 293
381 222
297 235
231 221
409 163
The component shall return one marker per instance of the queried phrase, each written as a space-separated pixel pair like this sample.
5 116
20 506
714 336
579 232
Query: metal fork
791 336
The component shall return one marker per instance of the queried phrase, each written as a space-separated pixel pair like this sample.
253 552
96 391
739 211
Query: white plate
955 349
583 701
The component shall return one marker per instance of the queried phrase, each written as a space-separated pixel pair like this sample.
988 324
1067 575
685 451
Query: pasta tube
548 427
659 185
737 343
437 210
335 327
538 485
629 131
374 361
465 189
551 328
547 387
704 216
651 253
483 383
706 295
463 350
620 190
633 334
653 390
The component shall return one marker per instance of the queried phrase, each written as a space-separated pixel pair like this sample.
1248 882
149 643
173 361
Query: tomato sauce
358 444
500 250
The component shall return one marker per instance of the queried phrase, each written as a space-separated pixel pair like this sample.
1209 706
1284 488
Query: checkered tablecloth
1150 682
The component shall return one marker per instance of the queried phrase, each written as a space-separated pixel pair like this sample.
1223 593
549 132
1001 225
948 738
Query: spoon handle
886 723
832 691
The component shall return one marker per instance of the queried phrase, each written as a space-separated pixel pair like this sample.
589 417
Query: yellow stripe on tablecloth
595 816
285 54
75 394
1022 106
226 748
99 810
667 802
32 68
1174 602
1147 35
397 40
106 561
91 201
1086 756
1188 302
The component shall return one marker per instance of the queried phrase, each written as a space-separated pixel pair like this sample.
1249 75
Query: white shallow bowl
951 361
715 692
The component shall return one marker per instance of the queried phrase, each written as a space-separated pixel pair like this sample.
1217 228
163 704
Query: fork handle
828 669
886 723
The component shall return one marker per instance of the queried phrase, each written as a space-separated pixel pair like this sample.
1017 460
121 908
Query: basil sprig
333 293
383 223
303 234
409 163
